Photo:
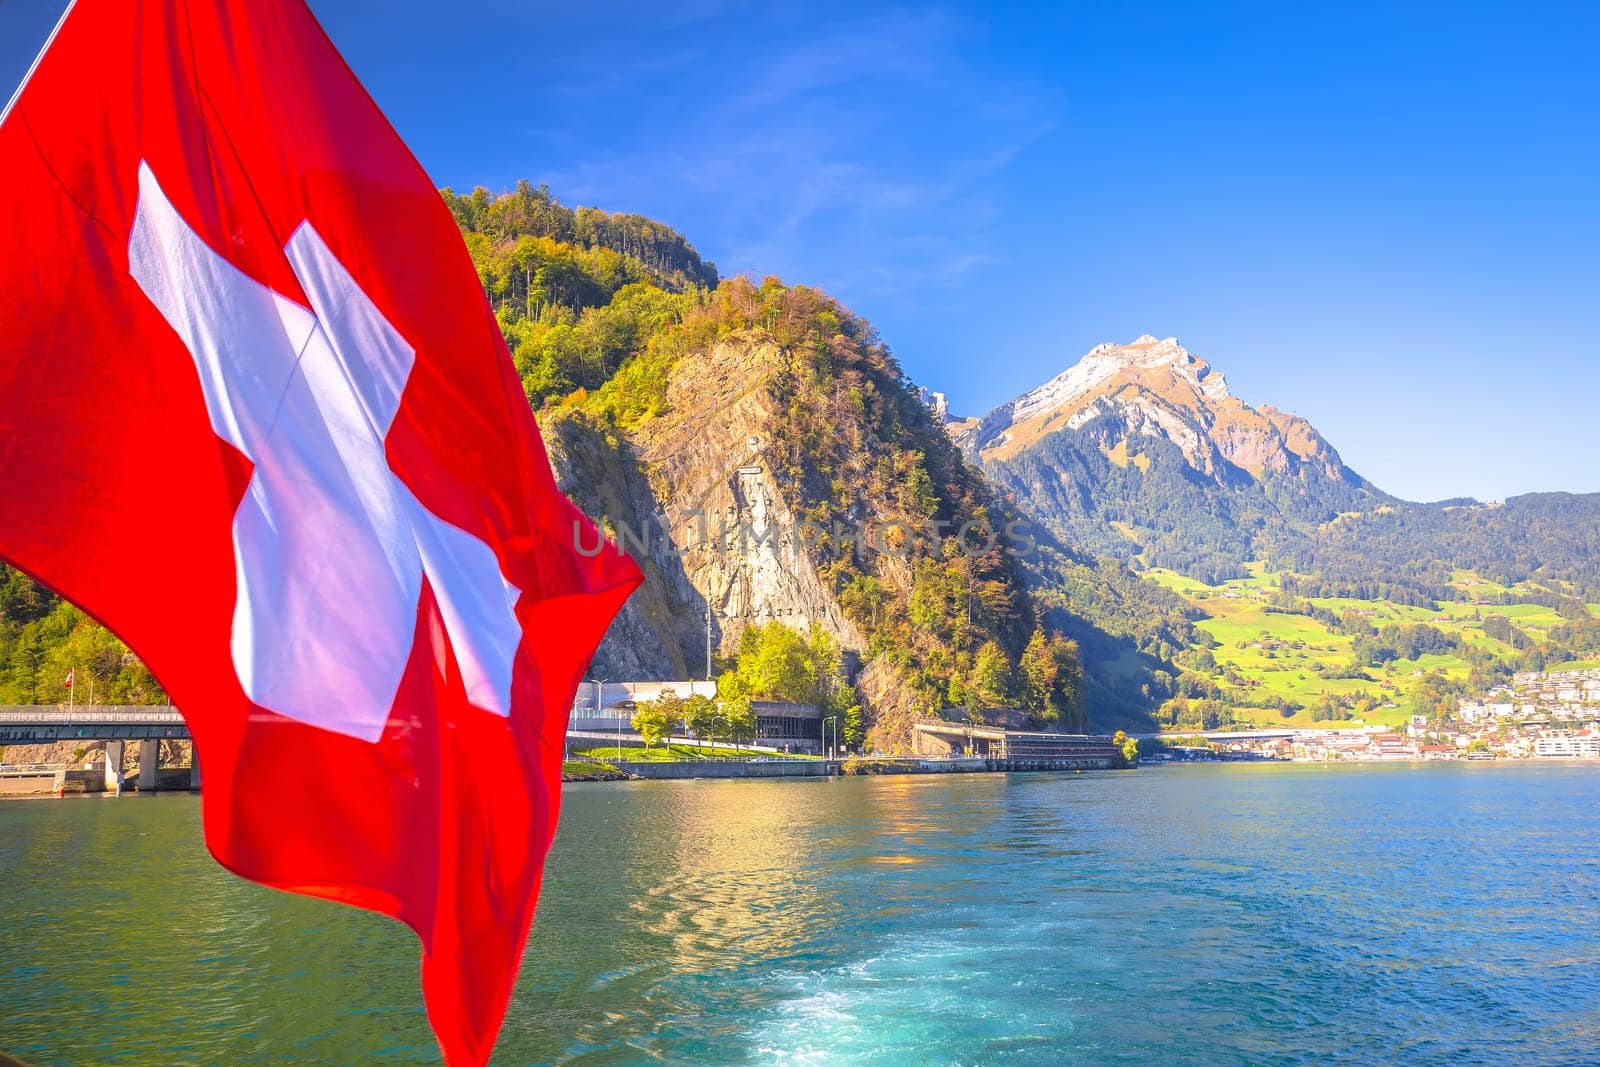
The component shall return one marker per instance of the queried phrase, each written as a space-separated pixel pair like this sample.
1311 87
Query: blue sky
1383 217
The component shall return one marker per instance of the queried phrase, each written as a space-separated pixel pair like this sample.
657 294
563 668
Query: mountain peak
1148 352
1161 366
1155 388
1140 451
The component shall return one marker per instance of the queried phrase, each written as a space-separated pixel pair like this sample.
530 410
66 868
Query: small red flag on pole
246 363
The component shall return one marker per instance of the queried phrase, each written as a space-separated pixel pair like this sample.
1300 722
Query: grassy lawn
1286 655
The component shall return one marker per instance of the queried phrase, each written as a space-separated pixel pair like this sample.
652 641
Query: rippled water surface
1249 914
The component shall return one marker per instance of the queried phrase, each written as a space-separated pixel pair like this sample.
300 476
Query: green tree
1127 748
852 728
1038 669
22 676
775 663
652 722
701 716
778 662
671 705
739 720
1068 698
991 677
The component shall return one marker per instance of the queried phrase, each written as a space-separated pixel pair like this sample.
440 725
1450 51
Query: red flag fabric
257 417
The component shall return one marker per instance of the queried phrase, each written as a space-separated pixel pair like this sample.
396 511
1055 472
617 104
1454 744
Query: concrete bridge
937 737
114 724
940 737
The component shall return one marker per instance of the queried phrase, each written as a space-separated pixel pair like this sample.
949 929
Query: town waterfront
1202 914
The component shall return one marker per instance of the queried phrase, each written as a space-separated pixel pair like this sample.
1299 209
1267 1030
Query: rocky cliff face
1157 388
694 498
760 491
653 636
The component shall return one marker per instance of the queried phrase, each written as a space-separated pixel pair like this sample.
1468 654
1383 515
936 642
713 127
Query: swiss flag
257 417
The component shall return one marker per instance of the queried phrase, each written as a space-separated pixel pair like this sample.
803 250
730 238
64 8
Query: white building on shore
1571 746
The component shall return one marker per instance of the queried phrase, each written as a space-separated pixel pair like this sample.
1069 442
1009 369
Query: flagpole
35 64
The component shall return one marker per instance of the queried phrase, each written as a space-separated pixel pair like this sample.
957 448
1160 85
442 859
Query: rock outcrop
696 502
759 491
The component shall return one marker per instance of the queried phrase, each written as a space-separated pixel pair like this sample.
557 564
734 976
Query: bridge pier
149 764
114 767
194 767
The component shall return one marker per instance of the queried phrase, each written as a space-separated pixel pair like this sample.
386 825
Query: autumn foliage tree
1052 679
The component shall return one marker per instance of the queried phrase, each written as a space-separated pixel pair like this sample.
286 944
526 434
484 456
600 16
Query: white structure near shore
611 700
608 707
1571 746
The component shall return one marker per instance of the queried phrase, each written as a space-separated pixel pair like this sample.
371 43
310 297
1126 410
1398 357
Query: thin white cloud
859 155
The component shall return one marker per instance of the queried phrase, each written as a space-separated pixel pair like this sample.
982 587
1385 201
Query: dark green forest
1549 538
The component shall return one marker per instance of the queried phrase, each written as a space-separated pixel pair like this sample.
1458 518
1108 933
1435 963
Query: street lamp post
835 720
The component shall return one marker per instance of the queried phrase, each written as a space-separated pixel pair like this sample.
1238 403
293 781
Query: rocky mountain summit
1158 389
1141 451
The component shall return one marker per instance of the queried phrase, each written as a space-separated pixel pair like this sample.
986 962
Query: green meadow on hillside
1264 653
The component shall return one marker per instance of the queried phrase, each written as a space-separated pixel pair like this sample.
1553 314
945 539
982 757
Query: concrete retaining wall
820 768
57 780
728 769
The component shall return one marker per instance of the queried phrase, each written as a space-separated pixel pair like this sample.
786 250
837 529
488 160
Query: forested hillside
844 437
44 641
577 291
1549 538
1275 648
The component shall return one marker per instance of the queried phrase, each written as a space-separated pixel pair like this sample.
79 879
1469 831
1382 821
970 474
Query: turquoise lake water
1443 913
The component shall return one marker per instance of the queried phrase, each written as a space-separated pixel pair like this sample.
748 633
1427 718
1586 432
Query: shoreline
1406 760
690 770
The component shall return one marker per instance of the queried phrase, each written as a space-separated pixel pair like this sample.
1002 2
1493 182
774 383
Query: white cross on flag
257 417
